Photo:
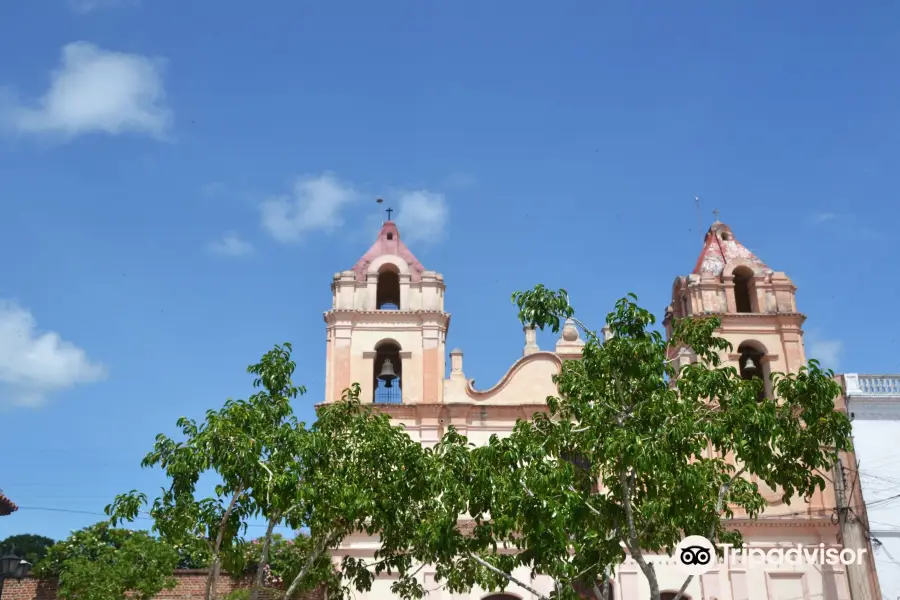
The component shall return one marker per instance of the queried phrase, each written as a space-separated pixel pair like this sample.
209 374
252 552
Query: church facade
387 331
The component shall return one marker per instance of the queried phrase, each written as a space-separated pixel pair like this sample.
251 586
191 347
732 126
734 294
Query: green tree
104 563
285 559
617 466
360 473
30 547
278 440
344 474
241 444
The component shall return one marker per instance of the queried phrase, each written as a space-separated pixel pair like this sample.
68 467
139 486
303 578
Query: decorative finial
569 343
716 213
530 341
388 211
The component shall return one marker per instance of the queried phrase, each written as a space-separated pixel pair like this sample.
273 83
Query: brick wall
191 586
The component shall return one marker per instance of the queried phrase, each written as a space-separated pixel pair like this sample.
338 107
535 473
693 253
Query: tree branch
507 576
264 557
632 542
217 559
587 330
680 353
683 587
221 535
313 557
720 504
602 595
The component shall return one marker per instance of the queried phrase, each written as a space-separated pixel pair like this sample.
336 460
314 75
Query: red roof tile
721 247
389 243
7 506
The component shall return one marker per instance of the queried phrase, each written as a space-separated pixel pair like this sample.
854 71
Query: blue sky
181 180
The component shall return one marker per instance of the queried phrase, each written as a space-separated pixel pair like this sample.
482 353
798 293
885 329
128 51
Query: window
671 596
501 597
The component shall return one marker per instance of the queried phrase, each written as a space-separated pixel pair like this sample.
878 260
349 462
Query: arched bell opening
744 290
752 365
387 380
584 482
586 591
501 597
672 595
387 295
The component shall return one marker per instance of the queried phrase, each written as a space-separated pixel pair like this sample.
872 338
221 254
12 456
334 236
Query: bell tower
387 328
757 306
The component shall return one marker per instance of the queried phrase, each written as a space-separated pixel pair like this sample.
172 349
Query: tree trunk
213 579
216 567
310 561
263 559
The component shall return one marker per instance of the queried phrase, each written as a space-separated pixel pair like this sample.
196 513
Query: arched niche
387 293
744 289
753 362
387 390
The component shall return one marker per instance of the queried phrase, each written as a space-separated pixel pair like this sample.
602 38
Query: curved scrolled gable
528 379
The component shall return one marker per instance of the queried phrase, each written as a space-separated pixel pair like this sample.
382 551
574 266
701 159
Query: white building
873 403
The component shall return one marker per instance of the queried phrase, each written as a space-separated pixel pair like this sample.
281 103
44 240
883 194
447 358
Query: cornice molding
462 410
377 318
873 409
754 316
767 358
774 521
357 311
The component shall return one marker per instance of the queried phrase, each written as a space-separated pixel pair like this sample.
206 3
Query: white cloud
316 203
230 244
826 351
216 188
848 226
823 217
35 364
320 203
84 7
422 215
461 179
96 91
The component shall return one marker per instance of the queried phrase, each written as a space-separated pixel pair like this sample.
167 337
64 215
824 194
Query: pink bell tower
757 306
387 328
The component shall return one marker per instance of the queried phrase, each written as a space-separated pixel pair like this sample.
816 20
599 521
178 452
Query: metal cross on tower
389 211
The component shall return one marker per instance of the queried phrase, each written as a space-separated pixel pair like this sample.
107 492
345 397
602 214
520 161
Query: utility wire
138 518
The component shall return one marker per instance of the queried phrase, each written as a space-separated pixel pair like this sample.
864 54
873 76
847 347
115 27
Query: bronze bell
387 373
750 367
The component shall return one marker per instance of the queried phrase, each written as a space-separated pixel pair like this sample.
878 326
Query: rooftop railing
872 385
